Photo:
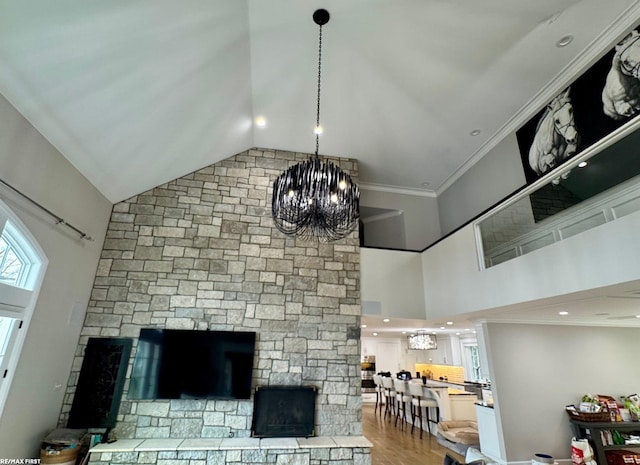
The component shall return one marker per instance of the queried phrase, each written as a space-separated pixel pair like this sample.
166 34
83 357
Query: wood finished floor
394 446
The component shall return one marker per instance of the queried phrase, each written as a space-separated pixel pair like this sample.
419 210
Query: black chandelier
315 198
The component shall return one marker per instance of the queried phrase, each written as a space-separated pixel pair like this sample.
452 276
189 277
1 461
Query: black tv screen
188 364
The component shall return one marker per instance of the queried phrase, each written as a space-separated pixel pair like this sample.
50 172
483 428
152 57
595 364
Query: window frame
18 301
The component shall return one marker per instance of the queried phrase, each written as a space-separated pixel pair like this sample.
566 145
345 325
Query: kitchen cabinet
488 432
367 370
463 406
592 430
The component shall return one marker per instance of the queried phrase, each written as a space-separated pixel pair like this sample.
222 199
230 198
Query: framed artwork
602 99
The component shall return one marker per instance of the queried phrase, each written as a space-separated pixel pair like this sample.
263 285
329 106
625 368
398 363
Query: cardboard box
622 457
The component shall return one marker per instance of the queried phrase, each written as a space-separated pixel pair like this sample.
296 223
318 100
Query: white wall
388 352
422 223
491 179
395 350
391 282
32 165
387 232
454 284
537 370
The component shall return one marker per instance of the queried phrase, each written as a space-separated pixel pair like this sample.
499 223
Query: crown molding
397 190
591 53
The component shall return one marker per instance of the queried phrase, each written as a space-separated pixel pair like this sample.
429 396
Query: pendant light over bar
315 199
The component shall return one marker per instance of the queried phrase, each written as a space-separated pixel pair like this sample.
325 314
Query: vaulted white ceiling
135 93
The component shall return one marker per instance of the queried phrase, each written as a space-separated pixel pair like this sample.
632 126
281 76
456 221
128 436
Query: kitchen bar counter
454 403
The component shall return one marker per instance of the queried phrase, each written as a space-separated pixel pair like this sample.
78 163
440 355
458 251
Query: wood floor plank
394 446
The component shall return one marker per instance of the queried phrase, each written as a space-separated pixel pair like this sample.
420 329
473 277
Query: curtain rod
58 219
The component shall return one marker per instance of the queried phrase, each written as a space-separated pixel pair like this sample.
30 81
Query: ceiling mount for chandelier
315 199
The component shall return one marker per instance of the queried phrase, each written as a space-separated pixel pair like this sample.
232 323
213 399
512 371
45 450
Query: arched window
22 265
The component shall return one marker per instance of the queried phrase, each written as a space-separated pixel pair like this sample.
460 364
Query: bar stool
433 399
402 398
377 381
389 395
418 402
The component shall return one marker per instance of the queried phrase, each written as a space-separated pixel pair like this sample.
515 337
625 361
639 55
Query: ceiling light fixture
449 323
564 41
375 334
386 320
261 122
363 326
563 313
582 164
316 199
475 132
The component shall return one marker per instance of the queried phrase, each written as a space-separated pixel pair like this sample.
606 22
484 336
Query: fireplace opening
284 411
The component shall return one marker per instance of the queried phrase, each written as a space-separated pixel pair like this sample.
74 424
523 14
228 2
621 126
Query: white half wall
29 163
391 283
454 283
536 370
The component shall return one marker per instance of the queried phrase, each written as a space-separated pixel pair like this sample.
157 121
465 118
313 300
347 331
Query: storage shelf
591 431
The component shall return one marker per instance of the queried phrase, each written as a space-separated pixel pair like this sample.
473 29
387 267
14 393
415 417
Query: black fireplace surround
284 411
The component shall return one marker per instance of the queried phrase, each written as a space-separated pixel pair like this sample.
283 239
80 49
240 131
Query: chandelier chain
318 95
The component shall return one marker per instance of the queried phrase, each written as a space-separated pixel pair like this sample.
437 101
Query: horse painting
556 138
621 92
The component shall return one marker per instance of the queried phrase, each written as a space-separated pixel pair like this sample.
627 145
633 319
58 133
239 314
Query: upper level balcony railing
599 185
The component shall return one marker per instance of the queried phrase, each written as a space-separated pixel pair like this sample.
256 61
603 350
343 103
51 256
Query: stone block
270 312
208 230
301 458
103 320
186 427
213 418
331 290
153 432
279 266
216 457
153 409
183 301
164 231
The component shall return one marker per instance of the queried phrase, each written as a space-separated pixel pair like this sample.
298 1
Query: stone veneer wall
202 252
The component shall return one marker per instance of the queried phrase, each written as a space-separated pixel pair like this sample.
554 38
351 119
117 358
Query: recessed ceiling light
375 334
404 332
425 184
449 323
441 327
475 132
363 326
261 122
467 329
563 313
434 332
637 316
457 334
386 320
564 41
582 164
474 331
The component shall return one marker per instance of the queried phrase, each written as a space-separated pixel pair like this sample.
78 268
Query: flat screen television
189 364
